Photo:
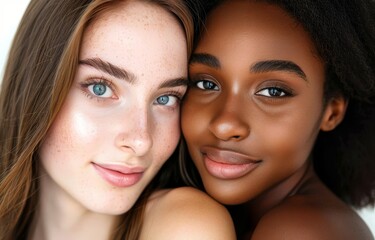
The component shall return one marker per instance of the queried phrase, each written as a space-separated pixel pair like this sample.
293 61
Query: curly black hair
344 34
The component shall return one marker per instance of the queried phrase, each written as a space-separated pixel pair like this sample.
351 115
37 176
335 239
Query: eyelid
276 84
215 87
195 78
172 93
284 93
98 80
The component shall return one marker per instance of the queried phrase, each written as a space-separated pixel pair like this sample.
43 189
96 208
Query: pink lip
224 164
119 176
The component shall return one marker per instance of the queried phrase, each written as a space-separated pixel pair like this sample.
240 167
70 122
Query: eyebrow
259 67
118 72
109 68
206 59
278 65
176 82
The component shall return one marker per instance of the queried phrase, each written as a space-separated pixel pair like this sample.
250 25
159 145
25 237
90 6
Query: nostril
229 127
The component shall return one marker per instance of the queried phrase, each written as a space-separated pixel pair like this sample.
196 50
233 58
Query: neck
59 216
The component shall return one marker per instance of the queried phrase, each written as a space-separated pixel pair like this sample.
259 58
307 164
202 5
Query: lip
119 176
226 164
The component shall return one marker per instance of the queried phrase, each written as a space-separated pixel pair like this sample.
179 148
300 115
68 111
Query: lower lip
116 178
228 171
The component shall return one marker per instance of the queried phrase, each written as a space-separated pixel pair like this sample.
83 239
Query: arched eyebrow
278 65
205 59
258 67
109 68
176 82
121 73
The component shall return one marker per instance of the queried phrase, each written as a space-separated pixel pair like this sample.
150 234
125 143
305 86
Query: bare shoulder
299 218
186 213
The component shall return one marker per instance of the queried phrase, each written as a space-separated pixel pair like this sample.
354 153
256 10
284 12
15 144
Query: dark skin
251 119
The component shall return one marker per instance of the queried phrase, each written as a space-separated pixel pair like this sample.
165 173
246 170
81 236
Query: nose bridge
135 131
229 123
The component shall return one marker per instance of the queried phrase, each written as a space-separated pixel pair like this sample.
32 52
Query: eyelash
284 90
93 81
194 83
176 94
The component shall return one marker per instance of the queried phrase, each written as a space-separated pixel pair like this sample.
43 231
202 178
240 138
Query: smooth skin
117 127
251 119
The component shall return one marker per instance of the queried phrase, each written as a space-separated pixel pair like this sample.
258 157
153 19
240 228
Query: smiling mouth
226 165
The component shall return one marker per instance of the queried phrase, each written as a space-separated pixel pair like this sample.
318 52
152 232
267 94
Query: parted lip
227 156
121 168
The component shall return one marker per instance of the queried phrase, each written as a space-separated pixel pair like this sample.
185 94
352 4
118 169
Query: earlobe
334 113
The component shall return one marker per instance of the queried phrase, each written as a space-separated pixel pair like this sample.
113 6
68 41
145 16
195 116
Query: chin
229 200
111 207
226 196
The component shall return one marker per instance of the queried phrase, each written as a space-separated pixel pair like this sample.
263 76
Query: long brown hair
42 63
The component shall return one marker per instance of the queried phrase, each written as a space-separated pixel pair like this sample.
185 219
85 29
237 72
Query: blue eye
167 100
206 85
100 90
163 100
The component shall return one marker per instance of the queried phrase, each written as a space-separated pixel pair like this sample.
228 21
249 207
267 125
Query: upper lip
121 168
227 156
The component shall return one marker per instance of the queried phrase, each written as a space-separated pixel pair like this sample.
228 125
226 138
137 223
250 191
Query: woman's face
120 121
254 111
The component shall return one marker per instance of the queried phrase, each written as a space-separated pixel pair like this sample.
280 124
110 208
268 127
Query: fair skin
251 119
117 127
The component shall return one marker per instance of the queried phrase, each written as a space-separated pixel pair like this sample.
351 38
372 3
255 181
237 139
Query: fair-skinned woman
89 111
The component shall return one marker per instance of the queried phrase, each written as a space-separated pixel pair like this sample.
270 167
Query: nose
135 134
228 123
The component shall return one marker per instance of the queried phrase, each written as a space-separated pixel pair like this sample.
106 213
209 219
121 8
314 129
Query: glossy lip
119 176
226 165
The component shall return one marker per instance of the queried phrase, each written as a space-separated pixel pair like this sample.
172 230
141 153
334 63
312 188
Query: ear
334 113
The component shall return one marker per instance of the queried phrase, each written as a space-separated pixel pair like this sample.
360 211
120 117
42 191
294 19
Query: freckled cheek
167 136
69 132
87 129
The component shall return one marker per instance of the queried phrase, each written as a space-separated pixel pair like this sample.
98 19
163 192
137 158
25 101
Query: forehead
247 31
135 34
242 14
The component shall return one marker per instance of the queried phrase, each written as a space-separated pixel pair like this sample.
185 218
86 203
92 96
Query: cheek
71 136
58 140
166 137
291 139
194 122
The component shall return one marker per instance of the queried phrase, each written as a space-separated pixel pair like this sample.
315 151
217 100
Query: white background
10 15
